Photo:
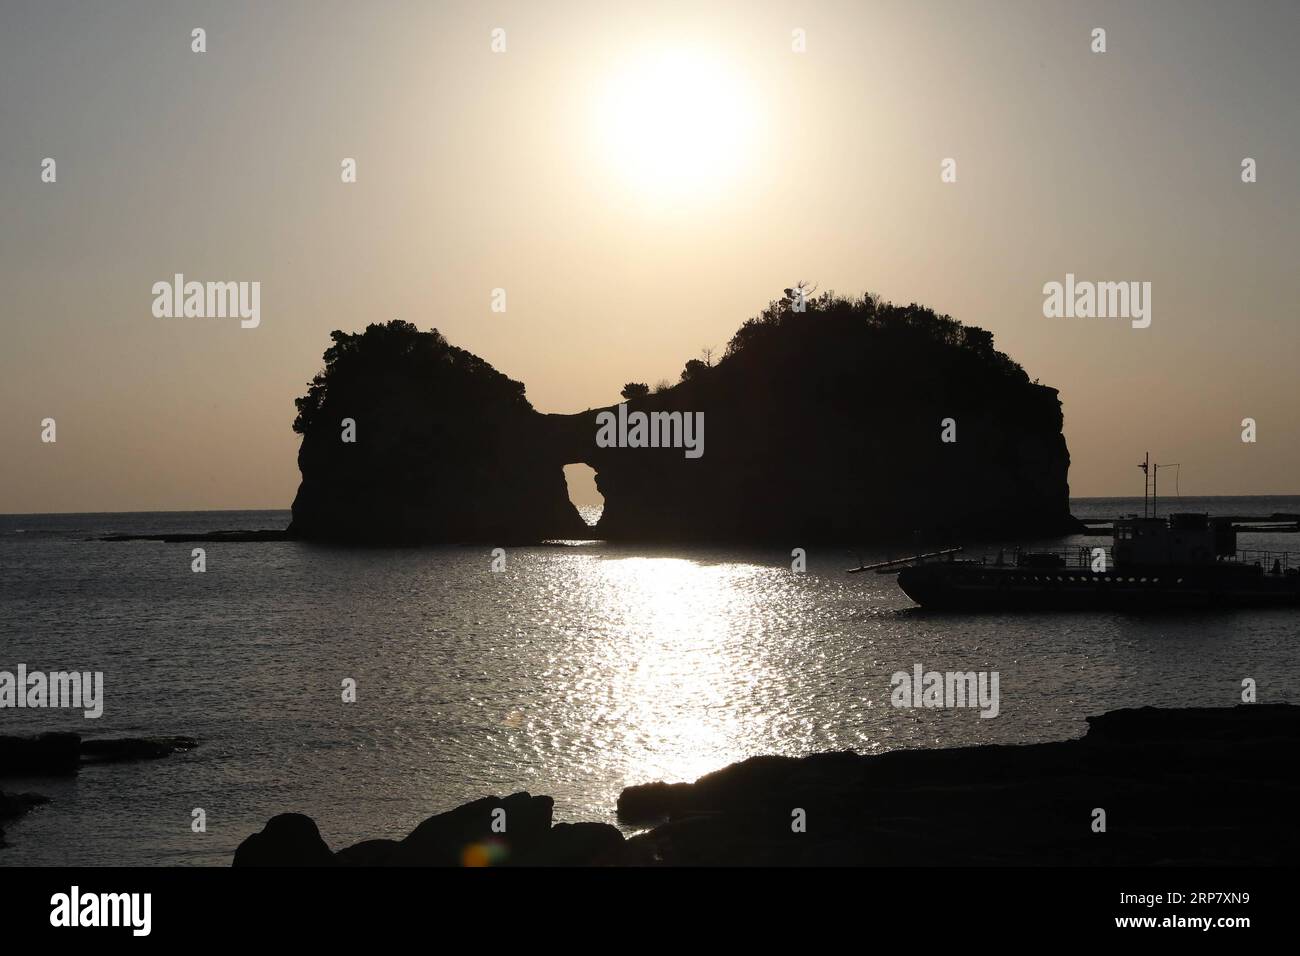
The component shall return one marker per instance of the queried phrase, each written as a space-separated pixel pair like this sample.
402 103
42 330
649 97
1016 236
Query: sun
677 125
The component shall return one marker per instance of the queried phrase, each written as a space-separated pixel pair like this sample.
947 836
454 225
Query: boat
1178 560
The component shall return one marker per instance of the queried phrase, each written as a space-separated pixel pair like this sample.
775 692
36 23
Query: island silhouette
827 419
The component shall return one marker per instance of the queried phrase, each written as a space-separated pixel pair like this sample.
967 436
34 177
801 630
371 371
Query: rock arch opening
581 480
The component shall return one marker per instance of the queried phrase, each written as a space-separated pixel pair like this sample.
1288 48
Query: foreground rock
1178 787
1205 787
511 831
290 839
63 754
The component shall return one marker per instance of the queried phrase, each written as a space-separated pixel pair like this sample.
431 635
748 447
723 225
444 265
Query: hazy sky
639 178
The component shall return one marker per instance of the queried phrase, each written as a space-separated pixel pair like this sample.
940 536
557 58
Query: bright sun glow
677 125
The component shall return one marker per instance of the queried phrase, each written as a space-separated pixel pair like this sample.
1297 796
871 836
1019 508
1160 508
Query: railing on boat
1280 562
1080 557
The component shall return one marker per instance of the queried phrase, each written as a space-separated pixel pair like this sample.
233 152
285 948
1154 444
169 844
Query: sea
575 669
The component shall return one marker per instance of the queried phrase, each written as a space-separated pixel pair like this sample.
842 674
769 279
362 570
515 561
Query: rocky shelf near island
1186 787
64 754
212 537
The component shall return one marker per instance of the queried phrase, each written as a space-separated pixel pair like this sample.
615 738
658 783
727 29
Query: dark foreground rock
1178 787
63 754
1187 787
290 839
510 831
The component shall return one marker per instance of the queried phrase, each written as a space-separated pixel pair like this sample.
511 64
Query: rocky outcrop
289 839
510 831
1177 787
63 754
407 439
818 426
53 754
134 748
829 426
1194 787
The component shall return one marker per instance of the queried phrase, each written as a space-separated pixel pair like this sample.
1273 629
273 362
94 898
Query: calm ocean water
580 669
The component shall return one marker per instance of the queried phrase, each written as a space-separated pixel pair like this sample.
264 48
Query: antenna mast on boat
1155 473
1146 482
1150 484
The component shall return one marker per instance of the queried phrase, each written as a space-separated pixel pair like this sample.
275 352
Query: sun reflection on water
678 662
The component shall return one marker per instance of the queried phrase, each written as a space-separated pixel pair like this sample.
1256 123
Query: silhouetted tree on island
693 368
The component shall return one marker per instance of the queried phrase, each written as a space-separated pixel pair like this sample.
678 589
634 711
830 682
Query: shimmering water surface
581 668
